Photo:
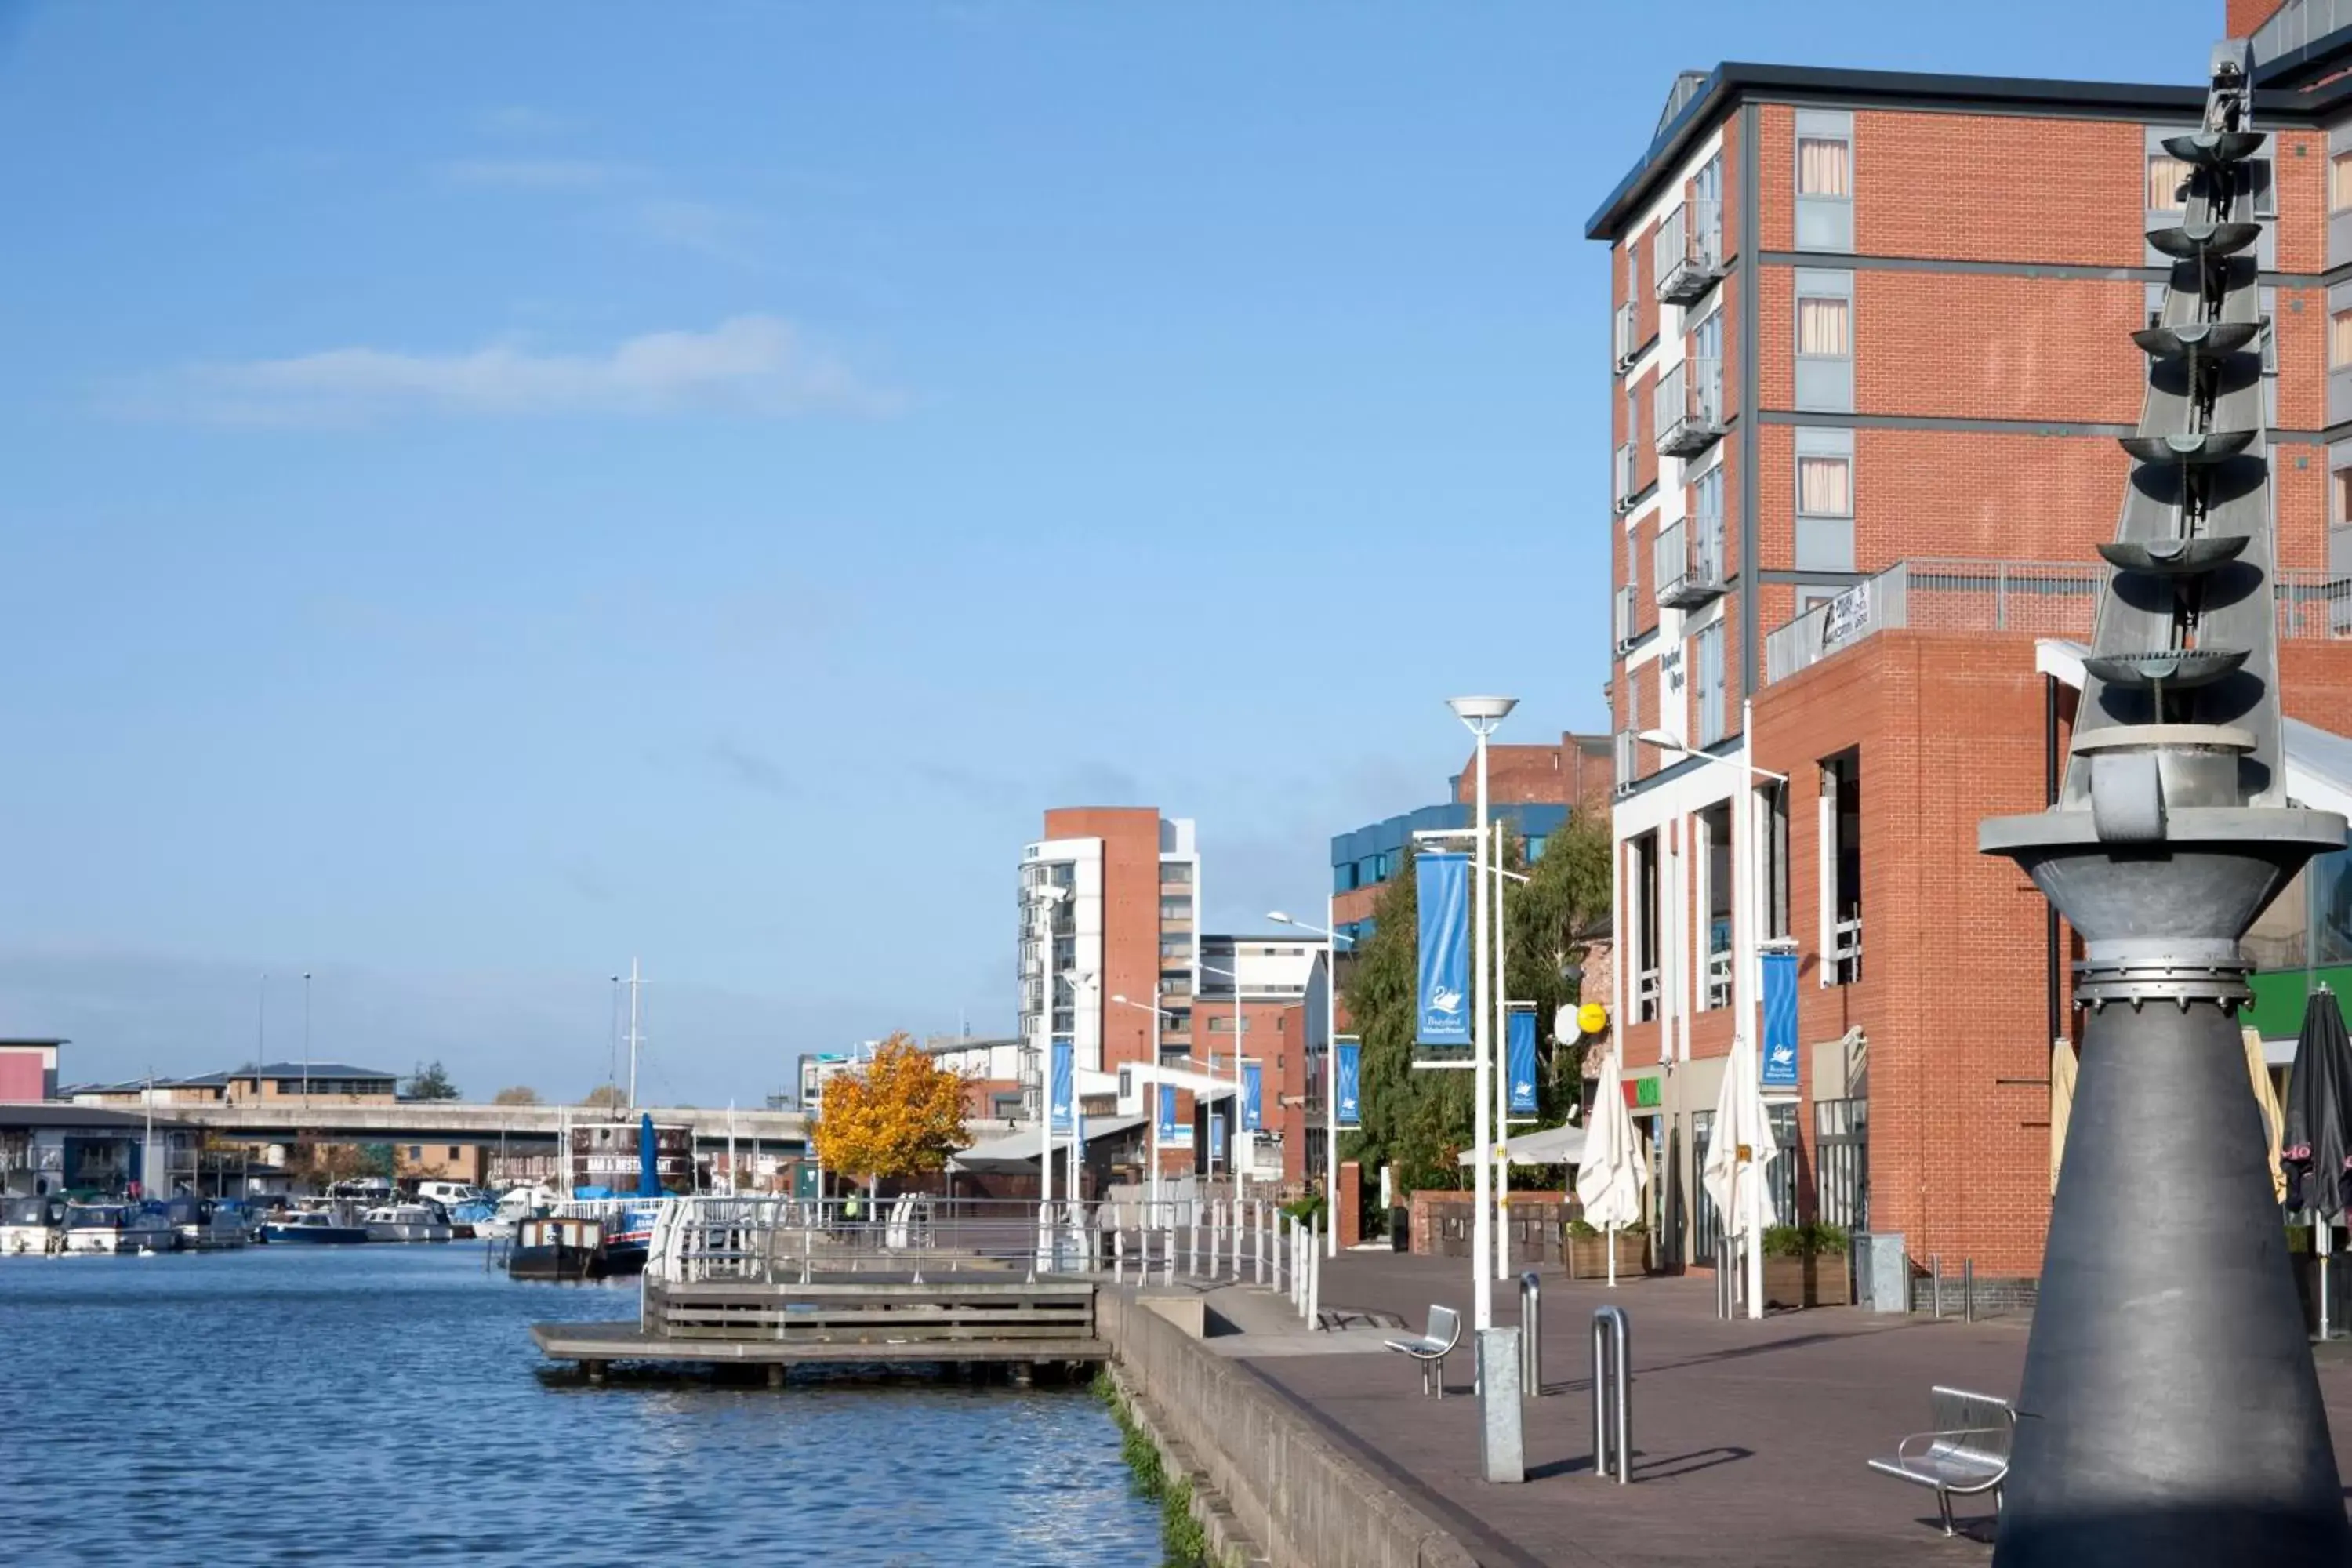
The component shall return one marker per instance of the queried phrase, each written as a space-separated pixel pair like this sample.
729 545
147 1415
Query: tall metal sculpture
2170 1414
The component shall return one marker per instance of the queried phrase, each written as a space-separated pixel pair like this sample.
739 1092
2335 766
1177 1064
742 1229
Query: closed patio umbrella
2258 1071
2319 1124
1609 1181
2061 1104
1738 1186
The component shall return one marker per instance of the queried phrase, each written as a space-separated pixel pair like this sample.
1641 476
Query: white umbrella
1738 1186
1609 1181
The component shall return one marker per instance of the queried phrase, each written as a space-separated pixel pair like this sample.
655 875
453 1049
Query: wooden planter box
1820 1281
1588 1255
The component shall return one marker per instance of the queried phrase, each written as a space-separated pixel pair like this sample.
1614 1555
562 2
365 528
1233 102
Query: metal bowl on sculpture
2207 147
2190 241
2175 667
2189 446
2176 557
2196 339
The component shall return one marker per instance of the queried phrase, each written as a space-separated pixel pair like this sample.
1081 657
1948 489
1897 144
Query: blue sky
492 490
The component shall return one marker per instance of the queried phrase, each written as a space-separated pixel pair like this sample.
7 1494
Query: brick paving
1750 1438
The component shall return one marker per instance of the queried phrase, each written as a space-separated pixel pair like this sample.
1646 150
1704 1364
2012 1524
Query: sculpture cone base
2169 1416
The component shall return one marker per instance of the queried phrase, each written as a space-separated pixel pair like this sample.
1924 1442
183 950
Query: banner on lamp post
1216 1139
1520 1056
1350 1073
1442 883
1167 1113
1063 1100
1779 1056
1253 1085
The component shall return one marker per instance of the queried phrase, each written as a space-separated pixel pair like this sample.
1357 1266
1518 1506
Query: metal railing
1689 254
1845 950
1628 759
1621 613
1623 474
1645 995
1719 977
1688 561
1688 414
1625 342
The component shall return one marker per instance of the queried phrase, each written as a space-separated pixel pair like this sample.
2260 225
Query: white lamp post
1746 843
1043 897
1484 715
1330 1066
1234 1123
1159 1015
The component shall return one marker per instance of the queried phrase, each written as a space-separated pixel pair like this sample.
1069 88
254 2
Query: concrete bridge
462 1122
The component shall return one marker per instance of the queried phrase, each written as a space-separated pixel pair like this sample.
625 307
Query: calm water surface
384 1405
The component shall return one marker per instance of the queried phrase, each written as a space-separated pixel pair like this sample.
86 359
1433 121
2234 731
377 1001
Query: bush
1308 1207
1804 1241
1579 1229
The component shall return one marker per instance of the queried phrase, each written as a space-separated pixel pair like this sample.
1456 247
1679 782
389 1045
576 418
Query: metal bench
1432 1348
1965 1456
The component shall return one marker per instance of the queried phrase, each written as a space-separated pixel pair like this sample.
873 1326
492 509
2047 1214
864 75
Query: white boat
118 1228
202 1227
34 1226
519 1204
406 1221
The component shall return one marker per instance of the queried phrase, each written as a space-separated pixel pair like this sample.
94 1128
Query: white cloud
521 119
754 365
536 173
723 234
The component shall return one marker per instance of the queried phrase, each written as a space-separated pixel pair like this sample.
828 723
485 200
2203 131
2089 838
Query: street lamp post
1745 846
1331 938
1158 1016
1234 1123
1483 715
1043 897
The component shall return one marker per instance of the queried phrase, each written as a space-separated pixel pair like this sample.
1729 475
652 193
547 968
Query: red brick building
1871 358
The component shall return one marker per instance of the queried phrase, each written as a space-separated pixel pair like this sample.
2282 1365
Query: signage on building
1442 882
1670 670
1847 617
1641 1093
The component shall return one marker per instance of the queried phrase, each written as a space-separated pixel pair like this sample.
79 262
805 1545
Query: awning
1018 1150
1552 1146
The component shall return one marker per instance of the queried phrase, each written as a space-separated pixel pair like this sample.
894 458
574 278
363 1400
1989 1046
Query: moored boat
404 1222
558 1246
118 1228
32 1225
314 1228
203 1226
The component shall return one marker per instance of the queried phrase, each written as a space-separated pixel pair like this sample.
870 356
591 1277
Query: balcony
2048 598
1622 604
1844 967
1645 995
1629 760
1627 342
1623 477
1690 408
1690 561
1690 251
1718 975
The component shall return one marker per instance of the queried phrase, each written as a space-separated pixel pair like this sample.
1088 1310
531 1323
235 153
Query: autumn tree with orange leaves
899 1114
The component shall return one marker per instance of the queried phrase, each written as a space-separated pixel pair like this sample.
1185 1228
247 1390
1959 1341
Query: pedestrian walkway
1748 1438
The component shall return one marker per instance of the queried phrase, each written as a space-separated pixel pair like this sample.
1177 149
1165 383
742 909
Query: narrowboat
558 1246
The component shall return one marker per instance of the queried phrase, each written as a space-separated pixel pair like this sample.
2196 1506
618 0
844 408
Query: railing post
1531 1333
1613 1395
1967 1289
1315 1273
1263 1242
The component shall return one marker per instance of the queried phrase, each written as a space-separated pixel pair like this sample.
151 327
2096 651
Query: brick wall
1130 871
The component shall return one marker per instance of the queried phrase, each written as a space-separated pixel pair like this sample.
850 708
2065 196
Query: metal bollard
1118 1257
1313 1277
1169 1236
1935 1284
1612 1395
1532 1335
1967 1289
1265 1243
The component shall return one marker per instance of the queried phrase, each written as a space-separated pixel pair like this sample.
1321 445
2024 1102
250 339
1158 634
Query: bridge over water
463 1121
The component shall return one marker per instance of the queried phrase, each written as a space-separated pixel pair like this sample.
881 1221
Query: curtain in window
1821 328
2166 175
2339 182
2342 498
1825 486
1823 167
2339 339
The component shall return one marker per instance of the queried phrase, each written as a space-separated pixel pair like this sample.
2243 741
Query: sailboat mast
632 1034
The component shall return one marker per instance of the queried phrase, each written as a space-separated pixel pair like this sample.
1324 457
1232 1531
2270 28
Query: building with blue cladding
1363 862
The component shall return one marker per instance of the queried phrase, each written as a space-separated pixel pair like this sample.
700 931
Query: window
1535 842
415 1151
1645 928
1841 868
1715 824
2261 173
2339 493
1824 166
1176 871
1174 908
1223 1024
2167 181
1710 660
1824 327
2339 183
1776 862
2339 339
1343 877
1705 1223
1825 486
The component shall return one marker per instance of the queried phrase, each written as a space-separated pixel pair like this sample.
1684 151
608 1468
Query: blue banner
1443 881
1167 1112
1352 1057
1519 1059
1216 1139
1253 1086
1779 1053
1063 1102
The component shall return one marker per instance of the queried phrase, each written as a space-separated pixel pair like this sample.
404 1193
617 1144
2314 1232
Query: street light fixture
1331 938
1483 716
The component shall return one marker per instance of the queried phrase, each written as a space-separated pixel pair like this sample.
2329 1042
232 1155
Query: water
385 1404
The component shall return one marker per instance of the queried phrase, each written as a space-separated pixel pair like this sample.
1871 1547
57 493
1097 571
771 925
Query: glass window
1825 167
1535 842
2339 183
1824 327
1173 909
2340 492
1825 486
1343 877
2339 339
1176 870
2168 180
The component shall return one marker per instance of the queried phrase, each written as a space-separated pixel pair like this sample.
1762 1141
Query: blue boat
314 1228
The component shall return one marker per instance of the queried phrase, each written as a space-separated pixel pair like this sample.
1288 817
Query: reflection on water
384 1405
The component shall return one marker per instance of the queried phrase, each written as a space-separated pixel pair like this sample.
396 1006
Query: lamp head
1278 918
1121 997
1662 739
1475 710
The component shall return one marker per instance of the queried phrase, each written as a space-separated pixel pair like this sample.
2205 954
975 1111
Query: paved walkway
1750 1438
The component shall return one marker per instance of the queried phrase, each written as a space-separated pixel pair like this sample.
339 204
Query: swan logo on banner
1779 1058
1442 882
1061 1096
1350 1073
1519 1059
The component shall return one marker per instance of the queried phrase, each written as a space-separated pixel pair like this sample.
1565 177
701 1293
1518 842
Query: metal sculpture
2168 1414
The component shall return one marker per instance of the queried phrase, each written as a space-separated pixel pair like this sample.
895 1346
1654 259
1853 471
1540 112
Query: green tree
430 1081
1421 1121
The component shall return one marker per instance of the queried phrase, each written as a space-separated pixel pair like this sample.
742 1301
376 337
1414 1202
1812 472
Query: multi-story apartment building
1281 987
1871 356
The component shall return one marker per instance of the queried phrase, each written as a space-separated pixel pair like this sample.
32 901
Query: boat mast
634 1037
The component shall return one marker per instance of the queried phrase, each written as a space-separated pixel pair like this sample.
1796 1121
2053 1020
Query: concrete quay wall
1304 1503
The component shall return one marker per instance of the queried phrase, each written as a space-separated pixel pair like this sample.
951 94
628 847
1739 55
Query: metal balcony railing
1690 561
1628 759
1645 995
1689 255
1845 950
1624 476
1719 977
2048 598
1626 343
1690 407
1624 607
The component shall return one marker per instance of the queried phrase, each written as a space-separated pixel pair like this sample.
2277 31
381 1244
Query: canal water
385 1404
